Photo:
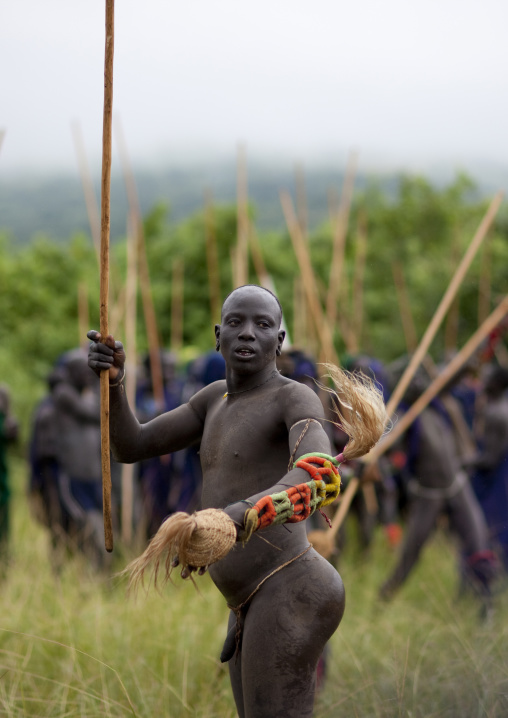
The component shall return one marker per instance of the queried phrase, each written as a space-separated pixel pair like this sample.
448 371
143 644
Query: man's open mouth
244 352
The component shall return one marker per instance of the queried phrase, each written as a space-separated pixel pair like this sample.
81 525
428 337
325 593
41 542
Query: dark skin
246 440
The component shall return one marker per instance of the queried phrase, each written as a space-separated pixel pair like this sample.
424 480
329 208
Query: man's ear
281 336
217 337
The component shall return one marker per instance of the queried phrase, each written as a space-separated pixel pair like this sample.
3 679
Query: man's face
249 334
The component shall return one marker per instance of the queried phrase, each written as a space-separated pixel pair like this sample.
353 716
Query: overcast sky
397 80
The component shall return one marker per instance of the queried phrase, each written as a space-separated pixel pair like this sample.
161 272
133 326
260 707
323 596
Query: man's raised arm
130 440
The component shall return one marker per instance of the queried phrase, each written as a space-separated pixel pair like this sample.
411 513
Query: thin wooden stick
444 304
117 313
144 274
241 255
326 541
257 257
368 491
484 282
441 380
407 317
92 208
302 210
212 260
104 266
359 273
299 313
83 314
451 332
309 280
177 304
343 317
404 307
339 239
2 137
130 368
265 279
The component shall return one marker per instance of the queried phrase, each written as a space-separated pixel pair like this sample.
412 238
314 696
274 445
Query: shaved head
254 288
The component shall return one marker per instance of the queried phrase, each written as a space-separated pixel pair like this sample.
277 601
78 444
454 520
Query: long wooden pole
242 254
177 302
339 239
323 541
117 313
445 303
451 331
83 321
442 379
212 259
144 274
86 180
257 257
359 273
265 279
309 280
404 307
484 282
407 317
343 317
130 368
104 265
302 209
299 314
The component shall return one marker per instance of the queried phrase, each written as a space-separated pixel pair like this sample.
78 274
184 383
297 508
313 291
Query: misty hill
54 205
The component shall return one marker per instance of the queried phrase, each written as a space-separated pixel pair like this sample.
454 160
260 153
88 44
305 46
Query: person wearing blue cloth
490 477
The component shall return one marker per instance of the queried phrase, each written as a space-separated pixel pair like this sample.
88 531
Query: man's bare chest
241 431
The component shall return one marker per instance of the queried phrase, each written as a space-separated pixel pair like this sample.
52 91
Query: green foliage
187 241
424 228
38 310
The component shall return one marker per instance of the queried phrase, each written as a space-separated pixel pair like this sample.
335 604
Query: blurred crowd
449 468
65 483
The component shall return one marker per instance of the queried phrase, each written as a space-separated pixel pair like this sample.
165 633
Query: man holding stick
439 484
285 599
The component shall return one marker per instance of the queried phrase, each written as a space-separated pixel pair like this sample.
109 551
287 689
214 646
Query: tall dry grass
73 644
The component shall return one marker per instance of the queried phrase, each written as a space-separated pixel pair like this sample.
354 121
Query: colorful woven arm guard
297 502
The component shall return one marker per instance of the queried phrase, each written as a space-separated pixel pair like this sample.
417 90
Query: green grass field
75 645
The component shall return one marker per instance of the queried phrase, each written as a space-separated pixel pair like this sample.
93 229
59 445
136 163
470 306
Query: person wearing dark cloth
157 475
490 466
8 434
378 501
78 451
188 484
285 599
440 485
44 492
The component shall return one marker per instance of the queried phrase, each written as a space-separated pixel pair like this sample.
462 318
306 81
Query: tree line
401 249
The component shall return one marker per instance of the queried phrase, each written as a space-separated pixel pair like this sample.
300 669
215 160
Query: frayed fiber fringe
358 403
196 541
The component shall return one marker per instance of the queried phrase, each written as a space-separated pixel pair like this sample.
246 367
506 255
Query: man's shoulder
202 399
291 388
299 399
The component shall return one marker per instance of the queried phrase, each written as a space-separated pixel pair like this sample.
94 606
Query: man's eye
232 322
265 325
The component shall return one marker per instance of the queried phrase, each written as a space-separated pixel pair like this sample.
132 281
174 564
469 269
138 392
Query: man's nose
247 331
